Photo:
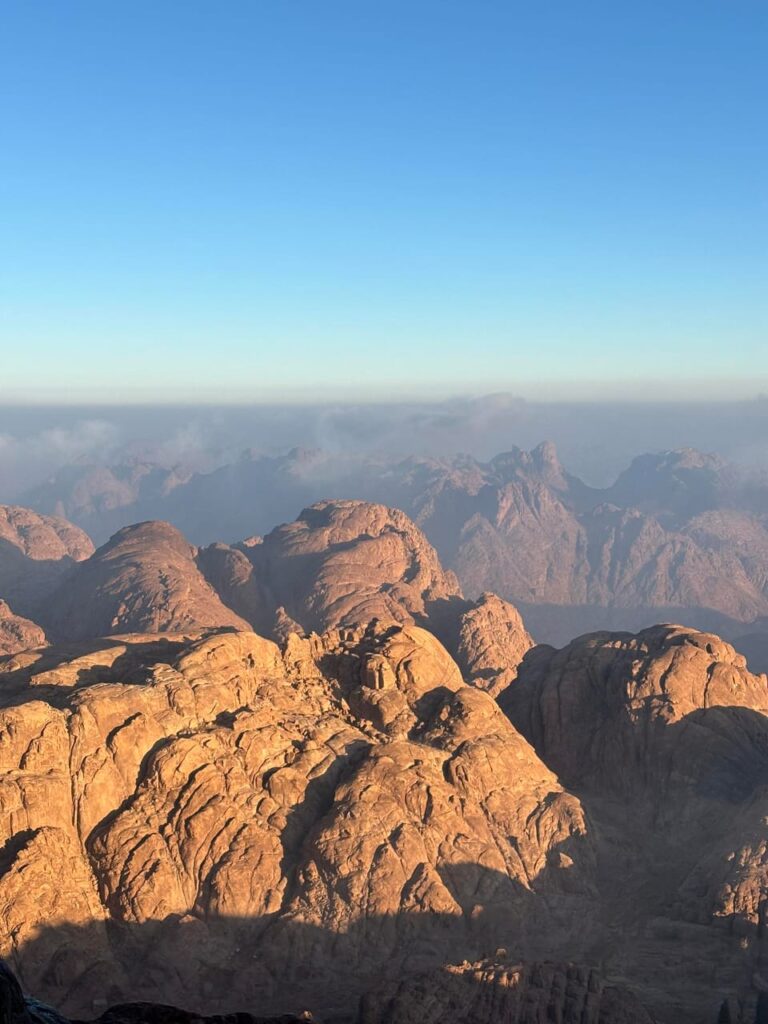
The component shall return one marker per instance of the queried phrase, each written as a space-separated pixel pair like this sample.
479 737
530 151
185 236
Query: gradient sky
278 198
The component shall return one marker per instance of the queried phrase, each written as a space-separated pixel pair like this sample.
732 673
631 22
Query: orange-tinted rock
17 633
145 579
256 831
492 642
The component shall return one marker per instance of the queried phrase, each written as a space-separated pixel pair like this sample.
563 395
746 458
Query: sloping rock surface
145 579
17 633
664 737
218 823
35 551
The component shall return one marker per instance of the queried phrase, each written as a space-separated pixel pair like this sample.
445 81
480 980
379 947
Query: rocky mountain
390 805
679 535
339 563
476 993
664 737
18 633
35 552
194 820
219 822
144 580
466 993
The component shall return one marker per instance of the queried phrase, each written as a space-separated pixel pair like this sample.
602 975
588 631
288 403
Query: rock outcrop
145 579
490 990
664 736
342 562
35 551
491 644
350 562
220 824
216 821
17 633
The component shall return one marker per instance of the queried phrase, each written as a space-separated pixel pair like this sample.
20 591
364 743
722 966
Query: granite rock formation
492 642
664 737
349 562
145 579
219 822
188 821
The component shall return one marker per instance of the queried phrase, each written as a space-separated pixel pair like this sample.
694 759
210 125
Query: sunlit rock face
396 781
218 819
221 822
339 562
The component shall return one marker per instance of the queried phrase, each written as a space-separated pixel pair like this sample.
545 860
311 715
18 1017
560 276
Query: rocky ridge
680 535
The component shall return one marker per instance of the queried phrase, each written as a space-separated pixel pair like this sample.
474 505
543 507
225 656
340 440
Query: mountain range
679 535
307 771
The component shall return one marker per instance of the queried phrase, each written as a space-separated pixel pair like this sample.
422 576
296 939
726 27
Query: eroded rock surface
485 991
35 551
492 642
219 823
664 737
145 579
17 633
345 562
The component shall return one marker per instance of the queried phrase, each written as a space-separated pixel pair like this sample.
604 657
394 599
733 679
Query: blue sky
279 198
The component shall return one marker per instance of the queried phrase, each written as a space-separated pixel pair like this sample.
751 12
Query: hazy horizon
595 440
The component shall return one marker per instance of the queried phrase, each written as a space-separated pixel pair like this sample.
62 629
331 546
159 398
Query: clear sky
233 200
